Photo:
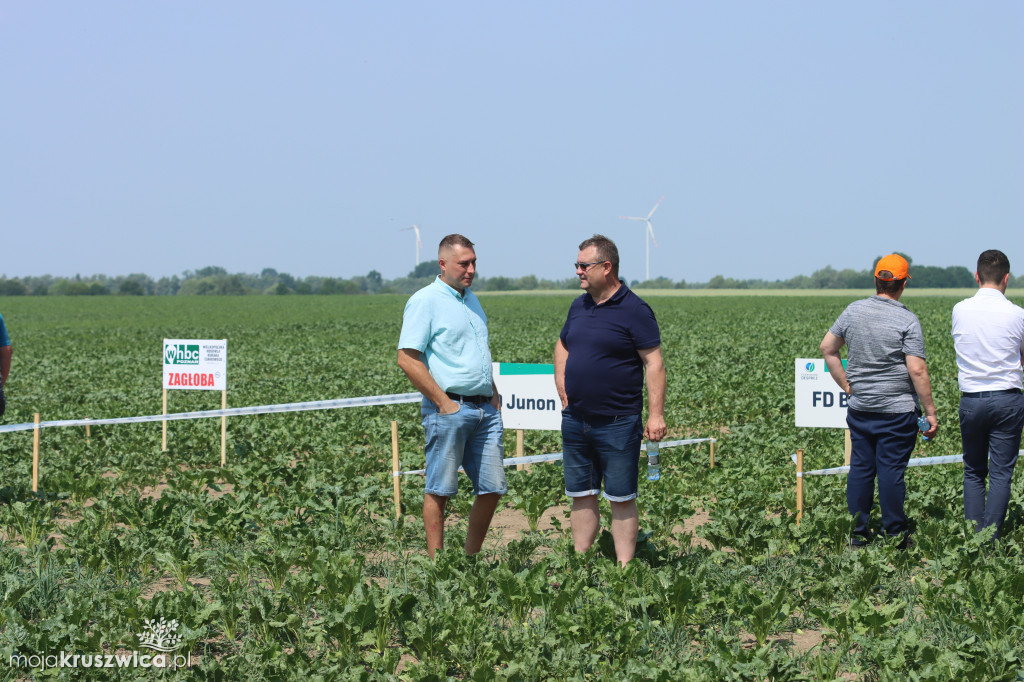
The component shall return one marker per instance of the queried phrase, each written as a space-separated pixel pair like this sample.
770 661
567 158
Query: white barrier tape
555 456
824 472
688 441
393 399
508 461
916 462
928 461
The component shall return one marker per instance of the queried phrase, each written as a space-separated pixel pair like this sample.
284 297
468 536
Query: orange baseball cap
895 264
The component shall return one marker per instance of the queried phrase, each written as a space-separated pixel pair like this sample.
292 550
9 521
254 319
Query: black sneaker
905 543
859 541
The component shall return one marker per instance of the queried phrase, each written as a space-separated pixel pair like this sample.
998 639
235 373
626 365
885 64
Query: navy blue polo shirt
604 374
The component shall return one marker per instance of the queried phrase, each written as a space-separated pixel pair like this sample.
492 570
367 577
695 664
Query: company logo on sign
809 366
181 354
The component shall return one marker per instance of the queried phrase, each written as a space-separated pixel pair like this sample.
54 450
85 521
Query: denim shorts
470 438
596 449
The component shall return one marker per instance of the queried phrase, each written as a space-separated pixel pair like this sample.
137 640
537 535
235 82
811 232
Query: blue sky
162 136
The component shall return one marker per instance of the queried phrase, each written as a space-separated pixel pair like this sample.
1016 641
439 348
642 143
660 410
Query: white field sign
196 364
529 400
820 403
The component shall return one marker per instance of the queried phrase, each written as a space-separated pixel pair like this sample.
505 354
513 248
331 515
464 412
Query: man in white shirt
988 333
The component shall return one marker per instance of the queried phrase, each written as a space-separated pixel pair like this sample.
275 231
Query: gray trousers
990 430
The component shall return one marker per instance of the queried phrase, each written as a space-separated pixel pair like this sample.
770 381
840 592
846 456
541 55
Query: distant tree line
922 276
216 281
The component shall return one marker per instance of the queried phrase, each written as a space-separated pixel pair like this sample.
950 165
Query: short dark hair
993 266
606 250
889 287
453 240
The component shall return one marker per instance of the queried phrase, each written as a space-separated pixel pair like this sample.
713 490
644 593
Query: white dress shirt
988 333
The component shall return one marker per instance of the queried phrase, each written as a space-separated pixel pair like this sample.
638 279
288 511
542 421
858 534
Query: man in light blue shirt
5 363
444 350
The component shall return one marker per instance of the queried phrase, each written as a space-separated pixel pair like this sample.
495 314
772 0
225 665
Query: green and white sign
819 402
529 400
196 364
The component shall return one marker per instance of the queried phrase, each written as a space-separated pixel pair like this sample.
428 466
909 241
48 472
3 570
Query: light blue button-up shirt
450 332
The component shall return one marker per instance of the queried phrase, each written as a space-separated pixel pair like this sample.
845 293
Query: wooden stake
712 465
224 429
35 455
799 486
395 469
164 442
848 449
519 448
88 434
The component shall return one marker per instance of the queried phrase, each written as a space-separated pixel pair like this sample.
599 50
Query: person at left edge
5 363
444 350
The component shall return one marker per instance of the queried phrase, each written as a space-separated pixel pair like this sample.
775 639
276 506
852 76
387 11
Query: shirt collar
883 299
989 292
444 286
619 294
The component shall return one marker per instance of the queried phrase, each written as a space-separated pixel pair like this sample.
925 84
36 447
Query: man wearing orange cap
885 377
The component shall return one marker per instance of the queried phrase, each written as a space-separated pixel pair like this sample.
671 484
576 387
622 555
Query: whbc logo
809 366
181 354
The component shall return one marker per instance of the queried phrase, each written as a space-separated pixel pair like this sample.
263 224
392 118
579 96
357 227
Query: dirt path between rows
511 524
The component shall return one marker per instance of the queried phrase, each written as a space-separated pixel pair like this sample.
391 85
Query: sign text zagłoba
196 364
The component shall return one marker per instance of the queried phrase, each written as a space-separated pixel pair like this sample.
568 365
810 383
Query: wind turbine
649 234
419 244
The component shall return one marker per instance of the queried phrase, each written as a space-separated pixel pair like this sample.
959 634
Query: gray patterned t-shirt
880 333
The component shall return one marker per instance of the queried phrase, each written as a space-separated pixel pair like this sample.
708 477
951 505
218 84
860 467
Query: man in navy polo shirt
5 363
609 342
444 351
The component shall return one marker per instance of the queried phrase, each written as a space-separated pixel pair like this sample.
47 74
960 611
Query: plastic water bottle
923 425
653 460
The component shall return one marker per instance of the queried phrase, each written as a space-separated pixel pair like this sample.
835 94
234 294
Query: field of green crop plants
289 564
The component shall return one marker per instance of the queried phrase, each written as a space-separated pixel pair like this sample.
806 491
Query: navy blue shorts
601 449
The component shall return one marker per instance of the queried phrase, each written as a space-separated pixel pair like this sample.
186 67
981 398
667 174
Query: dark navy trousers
881 444
990 430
